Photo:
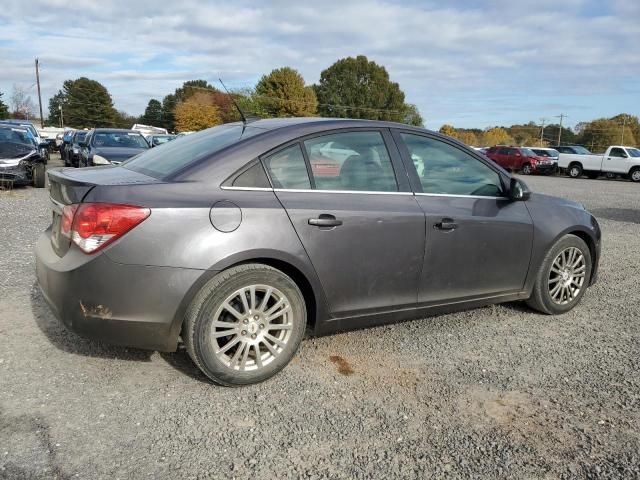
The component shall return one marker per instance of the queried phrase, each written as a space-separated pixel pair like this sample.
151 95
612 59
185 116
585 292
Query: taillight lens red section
95 225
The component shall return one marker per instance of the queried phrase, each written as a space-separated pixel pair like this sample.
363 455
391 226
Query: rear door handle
446 224
325 220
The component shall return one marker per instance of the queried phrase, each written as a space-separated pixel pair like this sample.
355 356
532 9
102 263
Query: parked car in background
617 160
155 140
75 148
106 146
65 147
519 159
575 149
43 146
21 161
148 130
546 152
229 240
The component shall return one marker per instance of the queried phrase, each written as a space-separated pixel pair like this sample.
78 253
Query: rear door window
351 161
288 169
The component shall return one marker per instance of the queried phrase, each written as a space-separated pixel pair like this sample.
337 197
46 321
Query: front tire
38 175
634 175
526 169
563 277
245 325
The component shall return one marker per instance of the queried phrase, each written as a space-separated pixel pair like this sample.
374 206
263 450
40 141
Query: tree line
595 135
351 87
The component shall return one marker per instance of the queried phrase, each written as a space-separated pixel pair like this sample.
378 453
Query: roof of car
276 123
115 130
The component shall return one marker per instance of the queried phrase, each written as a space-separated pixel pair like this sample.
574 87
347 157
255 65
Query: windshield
20 136
15 143
159 139
79 137
581 150
188 149
529 153
634 152
119 139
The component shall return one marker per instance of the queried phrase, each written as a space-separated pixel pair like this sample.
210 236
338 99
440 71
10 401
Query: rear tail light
92 226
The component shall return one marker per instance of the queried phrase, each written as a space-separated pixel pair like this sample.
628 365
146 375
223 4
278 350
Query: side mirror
518 190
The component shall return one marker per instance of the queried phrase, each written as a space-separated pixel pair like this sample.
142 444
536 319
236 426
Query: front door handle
446 224
325 220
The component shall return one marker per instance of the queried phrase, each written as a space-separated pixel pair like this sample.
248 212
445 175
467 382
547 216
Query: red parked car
520 160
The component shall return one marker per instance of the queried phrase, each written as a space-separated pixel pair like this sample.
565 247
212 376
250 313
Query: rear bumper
132 305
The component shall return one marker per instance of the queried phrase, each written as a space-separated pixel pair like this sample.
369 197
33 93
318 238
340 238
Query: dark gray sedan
239 238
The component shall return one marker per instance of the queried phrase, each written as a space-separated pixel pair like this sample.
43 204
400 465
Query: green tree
599 134
358 88
122 119
153 113
56 103
86 104
282 93
4 109
412 115
630 124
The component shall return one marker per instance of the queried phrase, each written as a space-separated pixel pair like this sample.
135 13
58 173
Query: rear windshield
174 156
119 139
80 136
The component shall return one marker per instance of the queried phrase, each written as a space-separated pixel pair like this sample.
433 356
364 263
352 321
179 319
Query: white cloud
452 59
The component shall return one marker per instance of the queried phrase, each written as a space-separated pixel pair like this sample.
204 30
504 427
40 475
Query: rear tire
634 174
231 332
38 175
575 170
563 277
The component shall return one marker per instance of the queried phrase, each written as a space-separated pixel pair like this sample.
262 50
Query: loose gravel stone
496 392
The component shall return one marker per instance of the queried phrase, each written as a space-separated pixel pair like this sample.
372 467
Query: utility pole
624 121
542 131
61 116
39 96
561 116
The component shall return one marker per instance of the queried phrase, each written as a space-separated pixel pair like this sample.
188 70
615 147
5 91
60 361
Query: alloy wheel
252 327
635 175
526 170
574 172
566 277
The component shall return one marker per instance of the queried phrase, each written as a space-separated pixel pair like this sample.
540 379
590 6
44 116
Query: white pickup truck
617 160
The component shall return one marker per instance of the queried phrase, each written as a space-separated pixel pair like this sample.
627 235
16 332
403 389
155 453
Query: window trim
413 174
397 165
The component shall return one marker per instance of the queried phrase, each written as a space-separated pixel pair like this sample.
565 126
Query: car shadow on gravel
69 342
181 361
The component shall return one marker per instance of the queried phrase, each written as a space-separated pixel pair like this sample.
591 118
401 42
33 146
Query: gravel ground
498 392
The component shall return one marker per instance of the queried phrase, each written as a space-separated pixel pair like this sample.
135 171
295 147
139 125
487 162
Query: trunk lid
71 185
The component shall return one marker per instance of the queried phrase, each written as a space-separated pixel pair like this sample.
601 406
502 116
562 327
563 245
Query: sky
467 63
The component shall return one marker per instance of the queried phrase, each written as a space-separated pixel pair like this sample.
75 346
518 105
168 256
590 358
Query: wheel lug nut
262 325
256 317
244 332
245 321
253 336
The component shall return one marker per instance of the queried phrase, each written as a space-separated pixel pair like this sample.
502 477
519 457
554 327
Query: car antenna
244 119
